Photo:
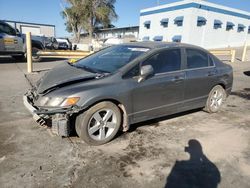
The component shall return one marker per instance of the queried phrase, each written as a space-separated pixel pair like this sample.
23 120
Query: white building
196 22
35 28
120 32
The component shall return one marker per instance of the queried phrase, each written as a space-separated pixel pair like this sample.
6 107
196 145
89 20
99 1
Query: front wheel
99 124
215 99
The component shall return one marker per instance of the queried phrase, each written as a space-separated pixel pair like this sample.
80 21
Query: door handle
177 79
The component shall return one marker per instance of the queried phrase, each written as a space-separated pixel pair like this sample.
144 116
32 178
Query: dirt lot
151 154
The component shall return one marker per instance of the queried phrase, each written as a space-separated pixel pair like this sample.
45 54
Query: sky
48 11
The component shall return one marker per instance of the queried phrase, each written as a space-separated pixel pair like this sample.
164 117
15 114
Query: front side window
111 59
166 61
4 28
196 59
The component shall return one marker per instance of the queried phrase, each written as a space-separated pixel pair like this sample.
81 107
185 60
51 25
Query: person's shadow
197 172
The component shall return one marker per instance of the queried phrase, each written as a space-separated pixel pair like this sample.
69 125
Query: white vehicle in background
113 41
64 44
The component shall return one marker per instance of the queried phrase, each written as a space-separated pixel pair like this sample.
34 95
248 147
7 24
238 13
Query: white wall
208 37
157 29
116 33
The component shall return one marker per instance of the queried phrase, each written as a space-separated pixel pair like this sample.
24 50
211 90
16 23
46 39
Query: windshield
111 59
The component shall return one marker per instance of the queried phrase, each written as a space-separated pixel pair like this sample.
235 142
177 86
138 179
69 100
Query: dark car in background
128 83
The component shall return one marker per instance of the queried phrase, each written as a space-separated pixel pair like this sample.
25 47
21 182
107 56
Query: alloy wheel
102 124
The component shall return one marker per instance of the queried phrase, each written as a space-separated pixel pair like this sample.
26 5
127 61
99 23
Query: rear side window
165 61
196 59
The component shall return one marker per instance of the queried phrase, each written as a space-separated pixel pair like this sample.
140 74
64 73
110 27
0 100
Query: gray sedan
124 84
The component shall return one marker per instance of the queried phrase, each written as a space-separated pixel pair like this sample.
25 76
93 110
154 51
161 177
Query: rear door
201 76
162 93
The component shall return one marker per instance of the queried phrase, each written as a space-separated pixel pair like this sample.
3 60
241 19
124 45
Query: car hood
62 75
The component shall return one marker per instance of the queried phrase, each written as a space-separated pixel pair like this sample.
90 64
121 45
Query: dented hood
61 75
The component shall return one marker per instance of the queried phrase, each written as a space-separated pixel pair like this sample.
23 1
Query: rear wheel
99 124
215 99
35 57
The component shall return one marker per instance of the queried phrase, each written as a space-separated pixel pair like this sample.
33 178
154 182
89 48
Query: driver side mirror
145 72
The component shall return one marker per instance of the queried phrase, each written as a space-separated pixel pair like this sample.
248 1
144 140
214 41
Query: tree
88 15
73 15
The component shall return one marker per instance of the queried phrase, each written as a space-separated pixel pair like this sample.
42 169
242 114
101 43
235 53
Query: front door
162 93
11 42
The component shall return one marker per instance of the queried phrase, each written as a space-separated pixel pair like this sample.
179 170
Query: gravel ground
152 154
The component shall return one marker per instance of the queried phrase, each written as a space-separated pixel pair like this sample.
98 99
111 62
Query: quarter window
196 59
166 61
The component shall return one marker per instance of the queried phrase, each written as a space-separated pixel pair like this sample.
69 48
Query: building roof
28 23
196 4
118 28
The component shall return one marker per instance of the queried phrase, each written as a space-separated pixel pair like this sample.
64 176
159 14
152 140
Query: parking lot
151 154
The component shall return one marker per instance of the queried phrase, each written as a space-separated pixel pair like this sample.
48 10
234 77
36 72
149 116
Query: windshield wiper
93 70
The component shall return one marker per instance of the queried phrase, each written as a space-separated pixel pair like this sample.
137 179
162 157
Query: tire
19 57
215 99
94 127
35 57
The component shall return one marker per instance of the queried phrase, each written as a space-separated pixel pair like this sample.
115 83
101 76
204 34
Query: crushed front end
56 118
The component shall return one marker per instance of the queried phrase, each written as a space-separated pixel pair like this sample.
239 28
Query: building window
217 24
147 24
241 28
146 38
201 21
177 38
164 22
158 38
179 21
230 26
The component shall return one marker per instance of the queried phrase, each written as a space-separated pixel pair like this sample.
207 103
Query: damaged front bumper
57 119
33 110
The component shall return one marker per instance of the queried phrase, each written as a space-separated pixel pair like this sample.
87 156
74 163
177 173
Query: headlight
59 101
55 101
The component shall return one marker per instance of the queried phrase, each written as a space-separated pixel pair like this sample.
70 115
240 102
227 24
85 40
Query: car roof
155 45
